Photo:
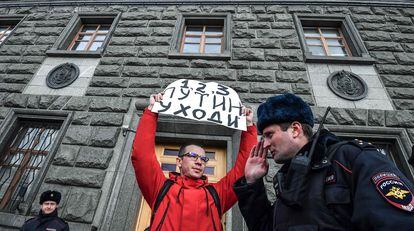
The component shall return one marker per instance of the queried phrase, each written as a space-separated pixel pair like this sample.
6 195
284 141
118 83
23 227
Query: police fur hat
283 108
50 195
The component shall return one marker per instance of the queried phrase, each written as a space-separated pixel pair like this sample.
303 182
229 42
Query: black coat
357 189
43 222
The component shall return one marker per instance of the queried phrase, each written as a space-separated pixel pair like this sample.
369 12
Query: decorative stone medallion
347 85
62 76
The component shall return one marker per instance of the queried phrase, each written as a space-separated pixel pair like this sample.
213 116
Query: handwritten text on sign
195 100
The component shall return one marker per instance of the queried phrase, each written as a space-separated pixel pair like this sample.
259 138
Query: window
325 41
166 155
5 31
86 35
7 26
331 39
26 147
90 37
201 36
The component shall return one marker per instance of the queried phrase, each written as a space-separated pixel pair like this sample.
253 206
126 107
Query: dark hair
182 148
306 128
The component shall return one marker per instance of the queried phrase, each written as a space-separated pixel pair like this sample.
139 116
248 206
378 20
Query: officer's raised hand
155 98
256 165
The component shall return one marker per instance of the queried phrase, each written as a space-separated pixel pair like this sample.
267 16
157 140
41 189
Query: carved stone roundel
62 76
347 85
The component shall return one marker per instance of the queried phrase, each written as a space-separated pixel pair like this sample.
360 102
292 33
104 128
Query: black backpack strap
216 198
163 191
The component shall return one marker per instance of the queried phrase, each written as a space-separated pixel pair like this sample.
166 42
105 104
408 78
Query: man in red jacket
187 205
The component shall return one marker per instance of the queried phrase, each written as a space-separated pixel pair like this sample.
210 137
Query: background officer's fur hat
50 196
283 108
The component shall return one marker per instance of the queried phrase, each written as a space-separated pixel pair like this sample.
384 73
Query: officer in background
48 217
324 183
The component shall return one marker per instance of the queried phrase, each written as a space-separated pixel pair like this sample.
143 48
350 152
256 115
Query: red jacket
187 205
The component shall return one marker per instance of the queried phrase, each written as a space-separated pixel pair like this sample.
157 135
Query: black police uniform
358 188
43 222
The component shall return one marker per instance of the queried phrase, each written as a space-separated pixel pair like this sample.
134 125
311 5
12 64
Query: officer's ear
179 162
296 129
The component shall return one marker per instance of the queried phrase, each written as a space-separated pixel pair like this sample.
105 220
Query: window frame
12 122
208 19
359 53
397 137
60 48
15 20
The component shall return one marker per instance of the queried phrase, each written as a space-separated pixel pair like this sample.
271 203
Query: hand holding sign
211 102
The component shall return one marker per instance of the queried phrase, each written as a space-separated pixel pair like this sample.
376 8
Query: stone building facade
264 51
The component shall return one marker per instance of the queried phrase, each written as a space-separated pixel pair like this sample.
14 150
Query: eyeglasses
194 156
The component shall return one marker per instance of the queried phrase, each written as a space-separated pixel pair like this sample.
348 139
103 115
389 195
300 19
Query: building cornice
384 3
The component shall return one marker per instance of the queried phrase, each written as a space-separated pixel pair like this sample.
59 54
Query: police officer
48 217
324 183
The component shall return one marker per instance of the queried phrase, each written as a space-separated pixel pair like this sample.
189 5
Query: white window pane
312 41
79 46
210 30
192 39
85 38
95 46
316 50
334 42
89 28
330 32
212 48
311 32
213 40
337 51
191 48
100 37
198 30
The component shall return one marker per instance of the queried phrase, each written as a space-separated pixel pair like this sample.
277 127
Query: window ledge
65 53
222 56
340 60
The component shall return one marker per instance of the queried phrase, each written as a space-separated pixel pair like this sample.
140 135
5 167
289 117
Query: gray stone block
264 43
139 92
12 87
411 134
284 55
361 10
399 118
272 9
59 102
14 50
153 41
145 83
238 64
402 38
108 92
121 51
375 36
299 9
383 57
383 46
33 101
77 104
292 66
109 82
22 40
248 54
386 11
240 25
259 25
135 61
77 135
111 61
341 116
46 40
276 33
401 93
15 100
109 104
282 25
94 157
36 50
406 29
299 88
107 119
408 47
162 23
132 23
264 65
397 80
291 77
230 9
400 20
164 62
241 43
181 73
66 155
162 31
253 98
271 88
404 104
405 58
360 116
140 71
75 176
141 16
265 18
81 118
123 41
46 101
153 51
244 17
104 136
33 59
395 69
376 118
22 68
207 64
319 112
219 74
369 18
256 75
243 33
82 204
376 27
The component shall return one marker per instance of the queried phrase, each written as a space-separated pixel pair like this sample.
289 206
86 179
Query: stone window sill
339 60
65 53
222 56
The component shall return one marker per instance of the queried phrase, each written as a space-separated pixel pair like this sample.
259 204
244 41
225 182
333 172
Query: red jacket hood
187 182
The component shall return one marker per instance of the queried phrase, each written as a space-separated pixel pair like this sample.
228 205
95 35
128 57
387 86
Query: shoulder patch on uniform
393 189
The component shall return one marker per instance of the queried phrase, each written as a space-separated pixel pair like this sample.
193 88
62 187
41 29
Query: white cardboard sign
212 102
